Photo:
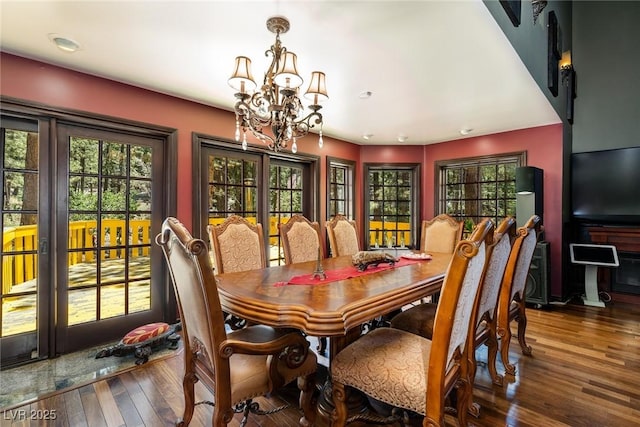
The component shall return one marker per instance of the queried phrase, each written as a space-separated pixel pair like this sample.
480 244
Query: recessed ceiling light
402 138
65 44
365 94
465 131
367 136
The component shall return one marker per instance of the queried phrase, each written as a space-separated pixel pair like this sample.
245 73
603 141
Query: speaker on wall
529 194
539 277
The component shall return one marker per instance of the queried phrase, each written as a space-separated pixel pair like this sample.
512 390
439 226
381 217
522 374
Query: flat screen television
605 185
589 254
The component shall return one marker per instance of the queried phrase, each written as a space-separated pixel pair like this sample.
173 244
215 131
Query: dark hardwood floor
584 371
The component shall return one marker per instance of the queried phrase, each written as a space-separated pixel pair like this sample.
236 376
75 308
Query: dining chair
235 367
440 234
420 319
512 298
301 240
343 236
238 245
408 371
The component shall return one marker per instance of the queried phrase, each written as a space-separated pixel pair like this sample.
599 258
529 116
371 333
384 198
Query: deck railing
20 244
403 233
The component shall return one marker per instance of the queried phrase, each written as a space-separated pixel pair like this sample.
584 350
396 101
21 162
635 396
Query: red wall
58 87
34 81
544 150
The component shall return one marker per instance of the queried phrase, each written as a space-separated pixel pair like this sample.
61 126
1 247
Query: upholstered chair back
196 292
440 234
511 301
499 255
468 291
524 262
343 237
300 240
238 245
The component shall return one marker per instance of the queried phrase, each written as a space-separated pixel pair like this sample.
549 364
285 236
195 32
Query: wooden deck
19 313
585 371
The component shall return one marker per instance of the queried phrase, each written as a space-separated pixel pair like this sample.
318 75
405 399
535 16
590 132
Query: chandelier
276 106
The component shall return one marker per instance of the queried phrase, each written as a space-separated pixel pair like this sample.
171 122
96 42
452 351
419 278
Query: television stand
591 297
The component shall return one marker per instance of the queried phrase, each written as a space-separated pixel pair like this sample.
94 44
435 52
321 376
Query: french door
107 218
287 184
79 217
25 285
263 188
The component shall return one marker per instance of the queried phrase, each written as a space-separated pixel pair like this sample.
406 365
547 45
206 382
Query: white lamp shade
287 75
317 91
241 79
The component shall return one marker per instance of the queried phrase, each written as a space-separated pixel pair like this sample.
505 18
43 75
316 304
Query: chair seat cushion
250 373
387 364
417 320
145 333
249 376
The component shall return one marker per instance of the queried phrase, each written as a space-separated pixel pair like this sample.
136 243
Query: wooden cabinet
625 239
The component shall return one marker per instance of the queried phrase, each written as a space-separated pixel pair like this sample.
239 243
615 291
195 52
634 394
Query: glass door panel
255 186
232 187
19 283
112 190
285 200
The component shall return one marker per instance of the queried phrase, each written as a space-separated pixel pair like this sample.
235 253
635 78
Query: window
285 200
255 184
391 205
474 188
232 187
340 185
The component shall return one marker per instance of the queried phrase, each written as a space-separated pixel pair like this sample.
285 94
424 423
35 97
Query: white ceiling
433 67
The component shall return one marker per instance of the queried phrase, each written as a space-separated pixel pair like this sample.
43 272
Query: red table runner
344 273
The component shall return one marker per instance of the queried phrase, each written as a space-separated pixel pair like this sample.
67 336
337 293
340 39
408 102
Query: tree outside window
475 188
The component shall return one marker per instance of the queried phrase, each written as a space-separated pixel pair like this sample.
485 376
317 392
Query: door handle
44 246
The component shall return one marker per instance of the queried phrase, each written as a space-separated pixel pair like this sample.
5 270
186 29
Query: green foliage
80 201
473 191
15 148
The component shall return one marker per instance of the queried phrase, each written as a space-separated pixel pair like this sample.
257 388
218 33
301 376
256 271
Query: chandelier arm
249 120
308 117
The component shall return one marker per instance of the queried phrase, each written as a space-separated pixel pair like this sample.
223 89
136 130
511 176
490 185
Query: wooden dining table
329 308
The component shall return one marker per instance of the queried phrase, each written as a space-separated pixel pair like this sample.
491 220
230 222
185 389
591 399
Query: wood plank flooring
584 371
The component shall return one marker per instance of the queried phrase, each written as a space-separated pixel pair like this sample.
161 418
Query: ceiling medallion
537 7
274 113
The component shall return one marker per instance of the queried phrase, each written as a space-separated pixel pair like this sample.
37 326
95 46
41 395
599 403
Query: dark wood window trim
199 140
520 158
350 200
415 169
